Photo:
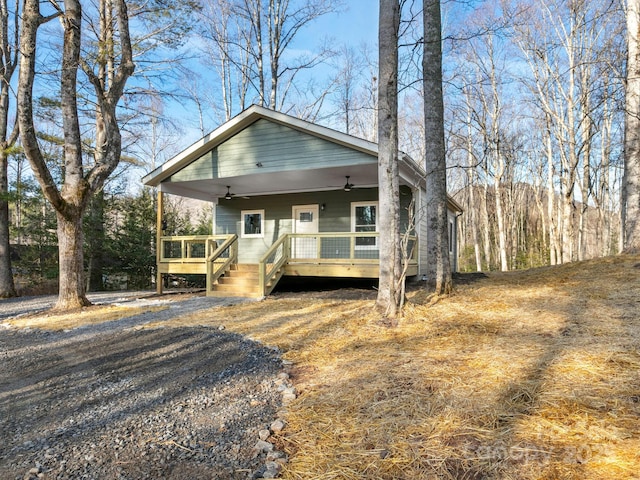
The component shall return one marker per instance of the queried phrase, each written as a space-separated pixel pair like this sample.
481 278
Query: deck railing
336 249
214 254
344 247
210 254
221 260
188 248
270 267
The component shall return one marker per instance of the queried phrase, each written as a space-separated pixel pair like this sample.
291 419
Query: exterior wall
336 217
453 240
422 231
422 235
275 148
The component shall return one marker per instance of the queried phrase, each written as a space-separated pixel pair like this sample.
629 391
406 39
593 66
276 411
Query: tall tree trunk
74 192
70 201
502 234
486 234
603 200
389 290
8 63
586 130
471 172
473 211
568 231
71 292
7 286
275 18
438 262
631 180
551 196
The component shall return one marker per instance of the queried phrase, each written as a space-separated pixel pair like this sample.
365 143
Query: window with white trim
252 223
364 218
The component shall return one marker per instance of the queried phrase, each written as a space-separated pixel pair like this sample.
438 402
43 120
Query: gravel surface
12 307
116 401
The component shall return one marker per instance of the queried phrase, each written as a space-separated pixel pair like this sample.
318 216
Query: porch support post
159 217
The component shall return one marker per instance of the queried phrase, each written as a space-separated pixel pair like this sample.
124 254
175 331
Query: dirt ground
520 375
117 401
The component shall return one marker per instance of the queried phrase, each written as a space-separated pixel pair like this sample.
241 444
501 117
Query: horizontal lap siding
276 147
421 222
336 216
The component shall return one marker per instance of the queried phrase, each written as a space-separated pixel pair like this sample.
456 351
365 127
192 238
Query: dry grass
85 316
525 375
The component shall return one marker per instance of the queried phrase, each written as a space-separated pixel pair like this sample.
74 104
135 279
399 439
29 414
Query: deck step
245 267
244 280
240 281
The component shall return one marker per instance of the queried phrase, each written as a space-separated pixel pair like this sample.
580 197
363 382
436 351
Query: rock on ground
160 403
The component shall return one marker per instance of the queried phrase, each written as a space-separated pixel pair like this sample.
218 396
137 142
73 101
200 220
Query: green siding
336 217
277 147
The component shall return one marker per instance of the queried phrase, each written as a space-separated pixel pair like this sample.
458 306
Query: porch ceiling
294 181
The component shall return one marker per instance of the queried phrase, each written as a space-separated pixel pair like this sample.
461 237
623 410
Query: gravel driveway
114 401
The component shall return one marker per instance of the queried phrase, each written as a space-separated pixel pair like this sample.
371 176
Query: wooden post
159 217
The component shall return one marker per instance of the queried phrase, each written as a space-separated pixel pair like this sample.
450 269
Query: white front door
305 220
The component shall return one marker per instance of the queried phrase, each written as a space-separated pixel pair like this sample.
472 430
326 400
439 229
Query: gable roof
409 169
242 121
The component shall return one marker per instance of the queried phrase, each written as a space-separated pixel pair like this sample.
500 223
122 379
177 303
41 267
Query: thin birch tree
631 179
9 35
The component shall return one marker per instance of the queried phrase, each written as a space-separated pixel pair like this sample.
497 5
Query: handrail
216 270
265 276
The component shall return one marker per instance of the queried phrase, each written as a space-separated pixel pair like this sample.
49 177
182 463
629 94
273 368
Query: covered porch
288 198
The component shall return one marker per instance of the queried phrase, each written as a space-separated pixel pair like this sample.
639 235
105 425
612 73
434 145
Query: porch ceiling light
228 196
348 186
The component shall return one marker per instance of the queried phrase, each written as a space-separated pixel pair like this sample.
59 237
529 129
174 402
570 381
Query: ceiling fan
348 186
229 195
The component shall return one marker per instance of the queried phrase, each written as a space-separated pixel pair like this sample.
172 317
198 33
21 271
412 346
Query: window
306 217
364 218
450 236
252 223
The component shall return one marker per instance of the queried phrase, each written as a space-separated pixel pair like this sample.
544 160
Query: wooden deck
345 255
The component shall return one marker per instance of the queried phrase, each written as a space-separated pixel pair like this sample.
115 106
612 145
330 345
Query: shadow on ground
138 403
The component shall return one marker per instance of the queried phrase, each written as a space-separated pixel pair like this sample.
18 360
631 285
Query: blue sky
355 24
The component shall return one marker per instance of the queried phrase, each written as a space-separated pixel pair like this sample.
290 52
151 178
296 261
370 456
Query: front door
305 220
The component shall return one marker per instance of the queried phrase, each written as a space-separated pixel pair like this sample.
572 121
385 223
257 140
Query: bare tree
389 291
108 73
631 179
8 63
438 264
252 44
347 84
566 45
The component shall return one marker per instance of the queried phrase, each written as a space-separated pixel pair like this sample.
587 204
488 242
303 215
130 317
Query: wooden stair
240 281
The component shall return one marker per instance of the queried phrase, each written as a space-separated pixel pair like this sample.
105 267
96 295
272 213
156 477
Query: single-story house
289 198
